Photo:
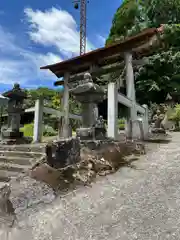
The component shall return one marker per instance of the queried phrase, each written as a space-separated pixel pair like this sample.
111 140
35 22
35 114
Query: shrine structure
123 55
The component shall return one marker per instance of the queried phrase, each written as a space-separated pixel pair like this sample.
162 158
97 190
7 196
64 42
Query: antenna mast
83 10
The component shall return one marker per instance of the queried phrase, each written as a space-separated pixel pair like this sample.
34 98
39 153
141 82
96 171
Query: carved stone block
63 152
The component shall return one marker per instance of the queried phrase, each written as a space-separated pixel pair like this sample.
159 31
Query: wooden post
112 111
38 120
130 86
65 120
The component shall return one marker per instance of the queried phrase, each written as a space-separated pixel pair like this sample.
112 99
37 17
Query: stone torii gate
104 61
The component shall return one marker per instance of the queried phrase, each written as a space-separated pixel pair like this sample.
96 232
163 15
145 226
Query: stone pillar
96 111
65 119
130 86
88 114
130 77
146 122
38 120
60 120
112 111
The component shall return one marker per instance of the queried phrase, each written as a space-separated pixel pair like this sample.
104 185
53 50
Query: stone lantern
15 109
89 94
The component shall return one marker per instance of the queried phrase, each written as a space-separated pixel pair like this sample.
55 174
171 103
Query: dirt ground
134 203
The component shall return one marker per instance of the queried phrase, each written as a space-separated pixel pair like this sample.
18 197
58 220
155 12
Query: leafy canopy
161 75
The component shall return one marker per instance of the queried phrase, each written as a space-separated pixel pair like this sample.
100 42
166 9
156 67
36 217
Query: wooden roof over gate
103 56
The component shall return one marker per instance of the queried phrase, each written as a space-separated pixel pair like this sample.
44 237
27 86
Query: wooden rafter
104 56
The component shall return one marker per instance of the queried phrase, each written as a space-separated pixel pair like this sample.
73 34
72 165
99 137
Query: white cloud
21 65
51 28
55 27
48 58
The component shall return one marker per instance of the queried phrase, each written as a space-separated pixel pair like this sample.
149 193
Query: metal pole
83 9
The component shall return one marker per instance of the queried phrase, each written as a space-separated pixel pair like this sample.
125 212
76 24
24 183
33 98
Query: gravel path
141 203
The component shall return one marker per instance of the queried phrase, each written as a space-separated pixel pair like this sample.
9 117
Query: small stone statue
158 118
100 122
158 126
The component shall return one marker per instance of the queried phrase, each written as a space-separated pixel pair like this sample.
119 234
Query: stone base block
158 130
85 133
91 133
63 152
10 137
12 134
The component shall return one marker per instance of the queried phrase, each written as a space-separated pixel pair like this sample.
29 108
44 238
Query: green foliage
162 11
157 78
74 106
56 101
121 124
34 94
171 37
175 116
161 75
48 131
29 128
52 99
123 20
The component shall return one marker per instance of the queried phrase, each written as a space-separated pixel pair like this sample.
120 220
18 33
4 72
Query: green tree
162 12
161 74
123 20
34 94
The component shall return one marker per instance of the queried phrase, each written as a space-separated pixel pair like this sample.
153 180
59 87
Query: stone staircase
16 159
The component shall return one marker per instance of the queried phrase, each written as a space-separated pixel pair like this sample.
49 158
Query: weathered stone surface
7 211
63 152
96 159
9 140
27 192
111 155
97 144
91 133
89 94
20 198
53 177
15 109
158 130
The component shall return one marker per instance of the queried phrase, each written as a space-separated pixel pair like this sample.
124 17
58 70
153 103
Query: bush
175 114
28 130
49 131
121 124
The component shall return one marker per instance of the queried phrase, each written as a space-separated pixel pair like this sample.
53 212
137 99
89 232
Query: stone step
23 154
14 167
6 176
39 147
17 160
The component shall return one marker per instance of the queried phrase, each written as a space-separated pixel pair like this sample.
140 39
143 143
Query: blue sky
36 33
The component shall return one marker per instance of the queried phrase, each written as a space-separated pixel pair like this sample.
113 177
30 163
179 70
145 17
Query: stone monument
89 94
15 108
